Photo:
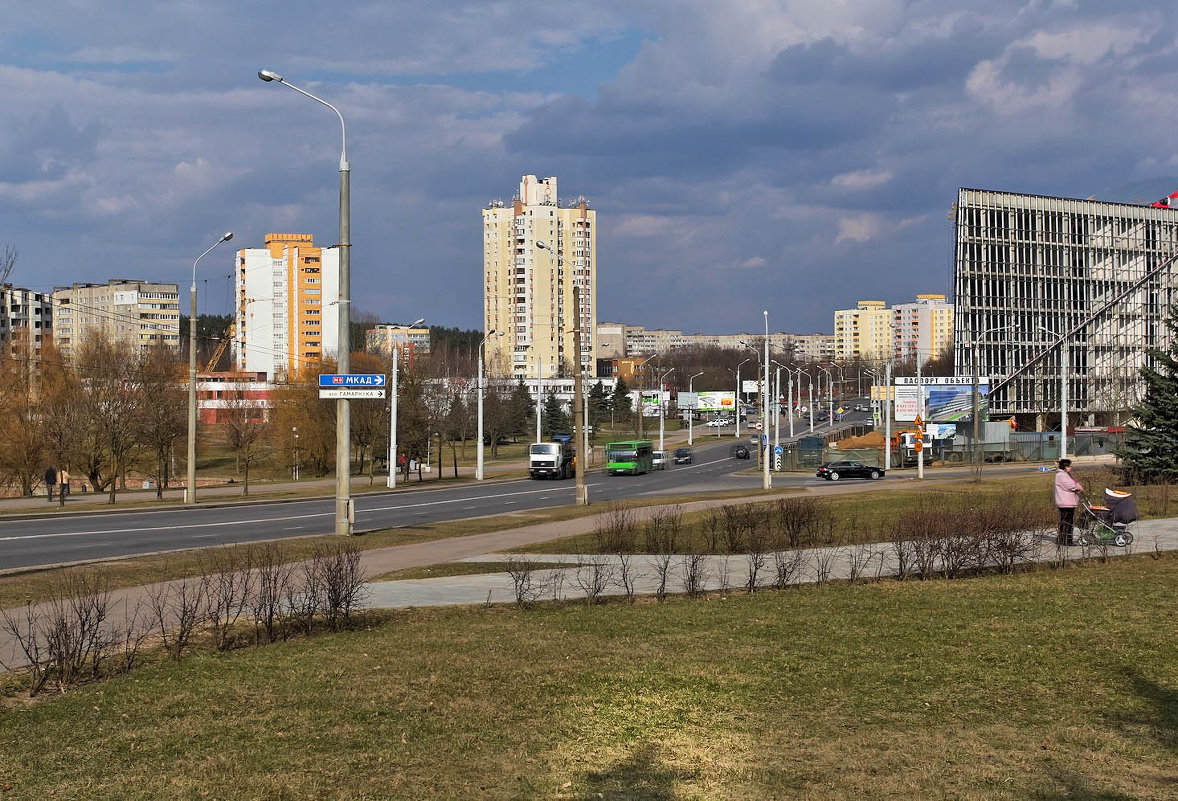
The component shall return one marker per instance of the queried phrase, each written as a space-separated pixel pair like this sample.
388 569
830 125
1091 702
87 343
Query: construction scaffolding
1037 279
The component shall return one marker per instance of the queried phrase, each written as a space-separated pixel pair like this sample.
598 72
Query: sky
794 156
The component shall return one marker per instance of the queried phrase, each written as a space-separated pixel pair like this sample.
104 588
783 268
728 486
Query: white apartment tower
534 253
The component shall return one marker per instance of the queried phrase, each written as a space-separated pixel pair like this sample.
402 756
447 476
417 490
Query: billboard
945 399
715 401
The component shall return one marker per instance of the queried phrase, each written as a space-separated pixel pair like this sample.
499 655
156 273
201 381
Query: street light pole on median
343 418
190 492
478 473
392 479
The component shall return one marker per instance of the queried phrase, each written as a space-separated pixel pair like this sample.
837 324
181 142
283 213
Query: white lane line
162 528
452 500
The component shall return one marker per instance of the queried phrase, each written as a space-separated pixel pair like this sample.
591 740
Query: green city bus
629 457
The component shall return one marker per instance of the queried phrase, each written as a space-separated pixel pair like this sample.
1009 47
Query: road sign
350 393
778 450
352 380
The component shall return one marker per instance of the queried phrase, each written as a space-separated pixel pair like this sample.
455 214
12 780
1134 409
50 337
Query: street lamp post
1063 390
738 403
478 473
343 418
766 481
190 491
691 411
391 482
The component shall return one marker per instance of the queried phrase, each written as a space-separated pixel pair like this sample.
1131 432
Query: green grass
1050 684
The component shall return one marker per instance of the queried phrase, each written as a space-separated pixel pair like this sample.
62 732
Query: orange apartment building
286 319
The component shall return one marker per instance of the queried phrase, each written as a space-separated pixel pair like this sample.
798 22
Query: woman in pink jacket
1067 498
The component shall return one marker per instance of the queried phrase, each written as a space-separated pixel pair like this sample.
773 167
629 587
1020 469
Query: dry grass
989 687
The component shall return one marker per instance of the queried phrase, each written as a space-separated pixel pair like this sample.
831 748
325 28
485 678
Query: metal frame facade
1028 262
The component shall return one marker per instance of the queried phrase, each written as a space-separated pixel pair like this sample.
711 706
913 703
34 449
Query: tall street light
738 404
190 492
691 412
343 414
478 472
393 397
766 481
1063 390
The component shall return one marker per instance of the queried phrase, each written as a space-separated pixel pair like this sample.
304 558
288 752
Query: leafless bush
177 609
756 551
593 577
25 629
525 585
859 558
341 580
662 540
272 579
616 530
694 571
228 585
787 567
798 519
626 574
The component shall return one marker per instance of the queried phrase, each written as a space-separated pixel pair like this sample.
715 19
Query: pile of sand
872 439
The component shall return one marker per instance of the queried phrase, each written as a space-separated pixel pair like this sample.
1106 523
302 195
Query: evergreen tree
520 416
556 420
1152 440
620 403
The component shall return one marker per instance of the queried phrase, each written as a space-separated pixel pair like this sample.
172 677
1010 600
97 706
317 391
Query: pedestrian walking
50 482
1067 498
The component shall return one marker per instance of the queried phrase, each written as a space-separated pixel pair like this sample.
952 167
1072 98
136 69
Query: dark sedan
833 471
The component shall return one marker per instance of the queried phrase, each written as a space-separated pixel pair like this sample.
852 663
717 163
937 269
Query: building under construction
1037 278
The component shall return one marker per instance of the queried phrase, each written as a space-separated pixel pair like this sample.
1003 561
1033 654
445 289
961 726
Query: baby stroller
1108 524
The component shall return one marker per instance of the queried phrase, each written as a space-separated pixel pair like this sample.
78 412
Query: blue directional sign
349 380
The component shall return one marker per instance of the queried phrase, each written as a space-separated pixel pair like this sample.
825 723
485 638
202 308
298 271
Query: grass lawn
1048 684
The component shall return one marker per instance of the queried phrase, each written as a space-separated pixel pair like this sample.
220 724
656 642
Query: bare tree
163 420
245 430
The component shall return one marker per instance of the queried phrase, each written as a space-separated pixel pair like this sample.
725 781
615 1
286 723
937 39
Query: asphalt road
75 538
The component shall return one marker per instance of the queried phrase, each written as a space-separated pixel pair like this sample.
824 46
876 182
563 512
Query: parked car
833 471
684 456
740 452
659 460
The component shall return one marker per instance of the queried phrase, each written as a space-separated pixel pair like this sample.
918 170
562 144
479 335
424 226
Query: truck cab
550 460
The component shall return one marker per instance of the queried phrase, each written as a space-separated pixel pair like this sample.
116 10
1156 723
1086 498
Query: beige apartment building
923 329
534 253
140 314
864 332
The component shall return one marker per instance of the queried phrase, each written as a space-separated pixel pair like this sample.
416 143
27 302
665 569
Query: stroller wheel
1122 539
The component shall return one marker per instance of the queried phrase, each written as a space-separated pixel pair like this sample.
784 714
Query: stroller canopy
1121 506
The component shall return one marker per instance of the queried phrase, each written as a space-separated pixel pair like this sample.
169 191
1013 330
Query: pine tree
556 420
1152 441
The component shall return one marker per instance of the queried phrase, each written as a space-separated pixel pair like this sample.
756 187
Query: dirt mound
872 439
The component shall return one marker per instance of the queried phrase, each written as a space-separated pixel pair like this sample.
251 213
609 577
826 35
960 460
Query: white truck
550 460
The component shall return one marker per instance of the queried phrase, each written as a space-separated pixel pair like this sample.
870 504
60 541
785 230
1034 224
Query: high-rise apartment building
864 332
140 314
923 329
1030 269
534 253
410 342
26 319
287 316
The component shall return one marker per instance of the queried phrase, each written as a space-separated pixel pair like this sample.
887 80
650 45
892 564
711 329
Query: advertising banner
715 401
947 399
